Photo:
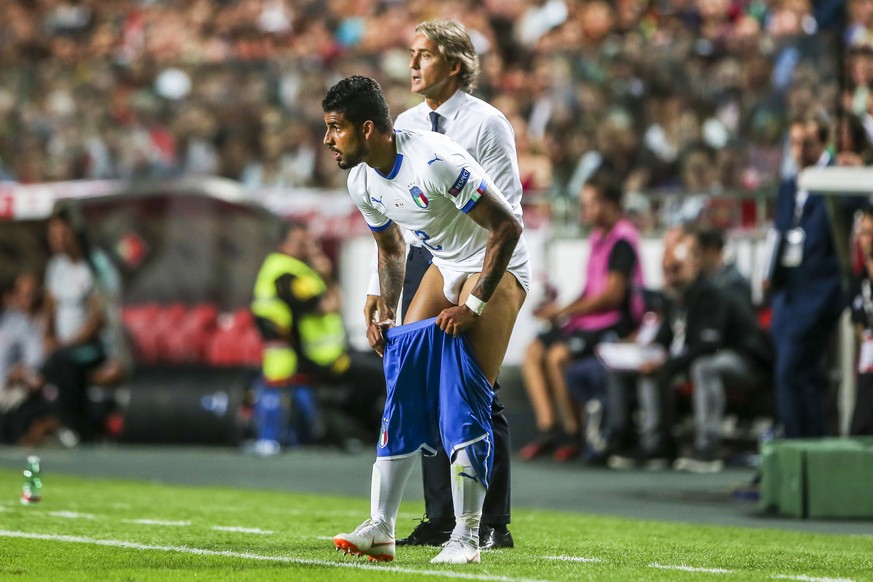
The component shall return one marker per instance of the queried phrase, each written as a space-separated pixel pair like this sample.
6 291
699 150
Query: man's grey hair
456 47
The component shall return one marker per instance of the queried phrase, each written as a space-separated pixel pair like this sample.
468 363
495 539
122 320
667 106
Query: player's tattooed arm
504 232
392 268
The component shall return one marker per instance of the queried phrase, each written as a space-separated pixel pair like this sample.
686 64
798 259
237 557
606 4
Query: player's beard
353 158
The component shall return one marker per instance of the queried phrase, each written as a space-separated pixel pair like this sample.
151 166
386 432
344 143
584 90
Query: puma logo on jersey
436 158
377 200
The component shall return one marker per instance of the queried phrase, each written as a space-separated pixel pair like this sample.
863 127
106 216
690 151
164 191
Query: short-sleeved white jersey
482 130
432 186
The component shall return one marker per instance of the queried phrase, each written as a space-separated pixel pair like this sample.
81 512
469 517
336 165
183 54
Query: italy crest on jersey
418 197
383 434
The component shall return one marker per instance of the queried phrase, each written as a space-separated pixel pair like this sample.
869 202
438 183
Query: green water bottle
31 491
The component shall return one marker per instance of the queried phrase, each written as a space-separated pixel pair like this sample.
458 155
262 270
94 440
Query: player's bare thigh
489 337
429 300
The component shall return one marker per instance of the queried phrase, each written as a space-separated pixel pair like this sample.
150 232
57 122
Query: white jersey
486 134
482 130
432 186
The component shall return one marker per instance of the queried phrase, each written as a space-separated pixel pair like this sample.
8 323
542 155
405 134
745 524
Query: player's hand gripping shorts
436 394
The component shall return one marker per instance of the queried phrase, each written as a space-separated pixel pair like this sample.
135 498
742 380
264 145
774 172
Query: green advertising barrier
818 478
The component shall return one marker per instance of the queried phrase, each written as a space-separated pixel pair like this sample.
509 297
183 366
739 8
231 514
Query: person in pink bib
608 309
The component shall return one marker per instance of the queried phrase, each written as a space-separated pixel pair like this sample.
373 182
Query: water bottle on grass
31 491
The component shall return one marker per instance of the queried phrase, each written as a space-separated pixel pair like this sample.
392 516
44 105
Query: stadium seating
195 334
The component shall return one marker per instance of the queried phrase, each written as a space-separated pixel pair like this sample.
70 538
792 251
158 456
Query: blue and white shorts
437 394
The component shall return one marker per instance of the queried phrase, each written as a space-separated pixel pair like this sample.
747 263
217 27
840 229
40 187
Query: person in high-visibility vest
297 311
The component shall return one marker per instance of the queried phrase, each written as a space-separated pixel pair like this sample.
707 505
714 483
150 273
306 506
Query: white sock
468 495
387 487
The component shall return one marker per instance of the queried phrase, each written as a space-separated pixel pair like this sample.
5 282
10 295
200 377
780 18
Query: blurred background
178 137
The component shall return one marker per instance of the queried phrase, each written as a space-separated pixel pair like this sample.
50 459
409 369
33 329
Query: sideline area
664 496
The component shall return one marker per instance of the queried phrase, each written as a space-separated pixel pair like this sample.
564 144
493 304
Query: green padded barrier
818 478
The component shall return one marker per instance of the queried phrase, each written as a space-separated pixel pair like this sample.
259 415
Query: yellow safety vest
322 335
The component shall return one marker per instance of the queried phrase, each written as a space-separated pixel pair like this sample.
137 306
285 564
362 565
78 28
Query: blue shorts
437 394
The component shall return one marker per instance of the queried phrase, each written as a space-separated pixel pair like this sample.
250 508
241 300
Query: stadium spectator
862 317
853 143
741 369
26 417
725 276
805 287
116 102
75 323
704 338
607 309
859 32
297 311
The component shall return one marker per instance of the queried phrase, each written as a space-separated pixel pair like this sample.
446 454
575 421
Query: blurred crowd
688 98
678 95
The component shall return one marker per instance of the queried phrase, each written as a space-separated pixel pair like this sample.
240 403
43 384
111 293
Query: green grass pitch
91 529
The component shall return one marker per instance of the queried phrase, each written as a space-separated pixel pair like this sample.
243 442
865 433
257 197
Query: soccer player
426 183
443 69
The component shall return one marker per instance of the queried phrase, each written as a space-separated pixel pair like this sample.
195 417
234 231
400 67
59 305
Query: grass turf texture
292 541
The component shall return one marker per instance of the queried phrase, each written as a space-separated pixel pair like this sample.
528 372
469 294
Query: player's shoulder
357 180
433 157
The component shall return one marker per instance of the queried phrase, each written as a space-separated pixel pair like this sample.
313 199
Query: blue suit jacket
809 295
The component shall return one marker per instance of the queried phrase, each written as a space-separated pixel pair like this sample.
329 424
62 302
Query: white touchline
71 515
252 530
574 559
685 568
387 569
158 522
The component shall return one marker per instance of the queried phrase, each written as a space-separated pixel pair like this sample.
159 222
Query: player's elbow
391 242
509 230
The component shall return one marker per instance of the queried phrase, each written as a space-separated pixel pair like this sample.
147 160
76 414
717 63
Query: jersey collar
393 173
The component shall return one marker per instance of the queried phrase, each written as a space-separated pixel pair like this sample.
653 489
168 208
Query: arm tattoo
392 269
504 233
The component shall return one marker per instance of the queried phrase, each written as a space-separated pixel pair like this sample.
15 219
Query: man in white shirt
443 69
74 327
426 183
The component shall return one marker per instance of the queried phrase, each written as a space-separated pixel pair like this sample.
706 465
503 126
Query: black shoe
428 533
491 538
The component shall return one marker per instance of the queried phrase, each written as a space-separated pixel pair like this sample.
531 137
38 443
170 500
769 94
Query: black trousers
862 418
436 470
67 368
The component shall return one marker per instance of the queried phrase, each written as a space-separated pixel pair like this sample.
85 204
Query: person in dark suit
805 288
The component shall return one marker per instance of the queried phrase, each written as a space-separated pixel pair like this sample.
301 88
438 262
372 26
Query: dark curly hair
359 99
